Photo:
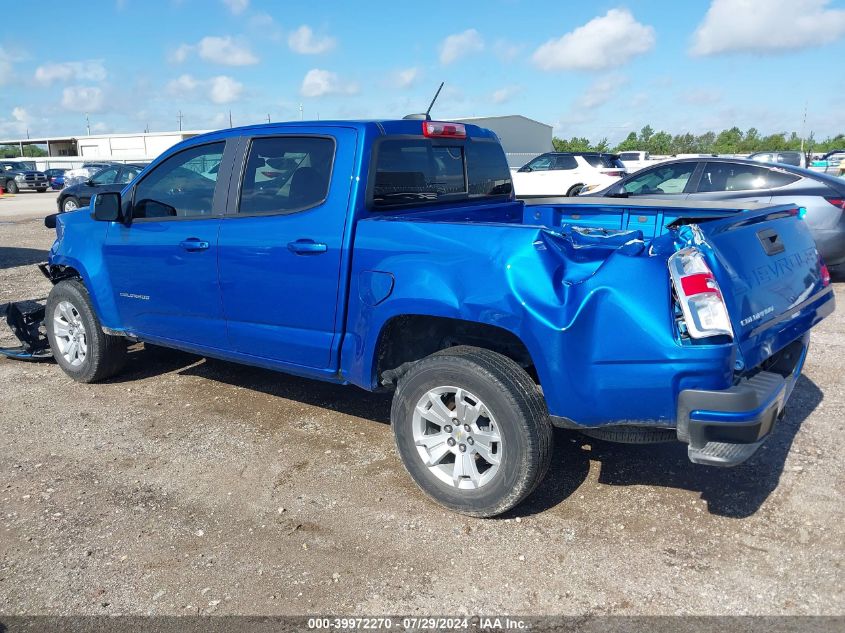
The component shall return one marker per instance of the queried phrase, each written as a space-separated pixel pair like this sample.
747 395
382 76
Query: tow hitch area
26 319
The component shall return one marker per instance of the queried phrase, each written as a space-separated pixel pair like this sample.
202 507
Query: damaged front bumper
26 320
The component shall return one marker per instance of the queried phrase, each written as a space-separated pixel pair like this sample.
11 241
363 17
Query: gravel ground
189 486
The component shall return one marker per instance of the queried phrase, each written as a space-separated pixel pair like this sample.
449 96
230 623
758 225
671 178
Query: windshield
422 171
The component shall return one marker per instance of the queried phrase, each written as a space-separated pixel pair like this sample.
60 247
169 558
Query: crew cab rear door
281 246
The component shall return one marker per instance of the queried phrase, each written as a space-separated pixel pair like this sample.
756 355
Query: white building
521 137
66 152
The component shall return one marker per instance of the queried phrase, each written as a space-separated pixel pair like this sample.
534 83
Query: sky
590 68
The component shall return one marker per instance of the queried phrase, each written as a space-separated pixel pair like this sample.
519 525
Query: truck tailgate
773 280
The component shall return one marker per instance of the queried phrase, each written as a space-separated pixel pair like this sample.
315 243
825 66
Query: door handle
307 247
194 244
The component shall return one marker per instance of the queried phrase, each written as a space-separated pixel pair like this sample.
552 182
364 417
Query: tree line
731 141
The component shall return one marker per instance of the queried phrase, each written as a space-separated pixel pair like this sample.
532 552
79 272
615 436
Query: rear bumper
725 428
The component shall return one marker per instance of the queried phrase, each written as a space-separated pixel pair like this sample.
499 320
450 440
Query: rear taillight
824 272
699 295
837 202
438 129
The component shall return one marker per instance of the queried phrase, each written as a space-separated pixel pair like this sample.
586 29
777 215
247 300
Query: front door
163 265
281 246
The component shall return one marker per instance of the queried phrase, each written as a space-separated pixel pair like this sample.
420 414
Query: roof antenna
426 116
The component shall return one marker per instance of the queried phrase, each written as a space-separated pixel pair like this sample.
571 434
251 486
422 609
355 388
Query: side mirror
50 221
106 207
525 168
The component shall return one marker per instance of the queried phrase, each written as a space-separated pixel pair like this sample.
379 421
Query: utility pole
230 118
268 118
179 118
300 112
87 124
803 127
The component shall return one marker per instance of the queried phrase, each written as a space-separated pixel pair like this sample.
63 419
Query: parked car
741 181
797 159
81 174
56 178
566 173
831 163
395 257
16 176
111 178
635 161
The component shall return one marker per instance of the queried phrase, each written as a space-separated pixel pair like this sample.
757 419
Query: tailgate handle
770 241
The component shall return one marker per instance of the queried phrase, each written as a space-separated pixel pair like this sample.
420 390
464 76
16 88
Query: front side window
286 174
127 175
541 163
105 177
790 158
733 177
666 179
180 186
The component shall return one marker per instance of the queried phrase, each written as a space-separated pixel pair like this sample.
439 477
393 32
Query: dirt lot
193 486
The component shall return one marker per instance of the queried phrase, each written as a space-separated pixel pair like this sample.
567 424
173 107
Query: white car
567 173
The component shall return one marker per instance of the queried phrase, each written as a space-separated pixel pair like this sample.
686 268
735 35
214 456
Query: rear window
603 160
421 171
629 156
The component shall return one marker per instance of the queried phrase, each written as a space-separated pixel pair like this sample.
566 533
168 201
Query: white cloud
767 27
304 42
503 95
82 98
237 6
224 89
183 86
90 70
218 50
220 89
180 54
600 92
318 83
459 45
225 51
406 78
603 42
20 115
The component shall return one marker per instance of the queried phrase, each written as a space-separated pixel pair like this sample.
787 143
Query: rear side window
419 171
741 177
565 162
629 156
286 174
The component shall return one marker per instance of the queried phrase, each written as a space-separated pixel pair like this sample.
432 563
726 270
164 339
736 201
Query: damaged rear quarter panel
596 322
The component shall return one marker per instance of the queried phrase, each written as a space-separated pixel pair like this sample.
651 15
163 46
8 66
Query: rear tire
79 345
472 430
70 204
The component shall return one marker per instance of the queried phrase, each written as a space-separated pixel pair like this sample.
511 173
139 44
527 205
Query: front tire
42 190
472 430
70 204
79 345
574 190
11 187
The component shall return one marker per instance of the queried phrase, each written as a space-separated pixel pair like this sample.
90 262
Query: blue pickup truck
393 255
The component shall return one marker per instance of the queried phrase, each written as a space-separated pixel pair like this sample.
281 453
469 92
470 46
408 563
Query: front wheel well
406 339
59 273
